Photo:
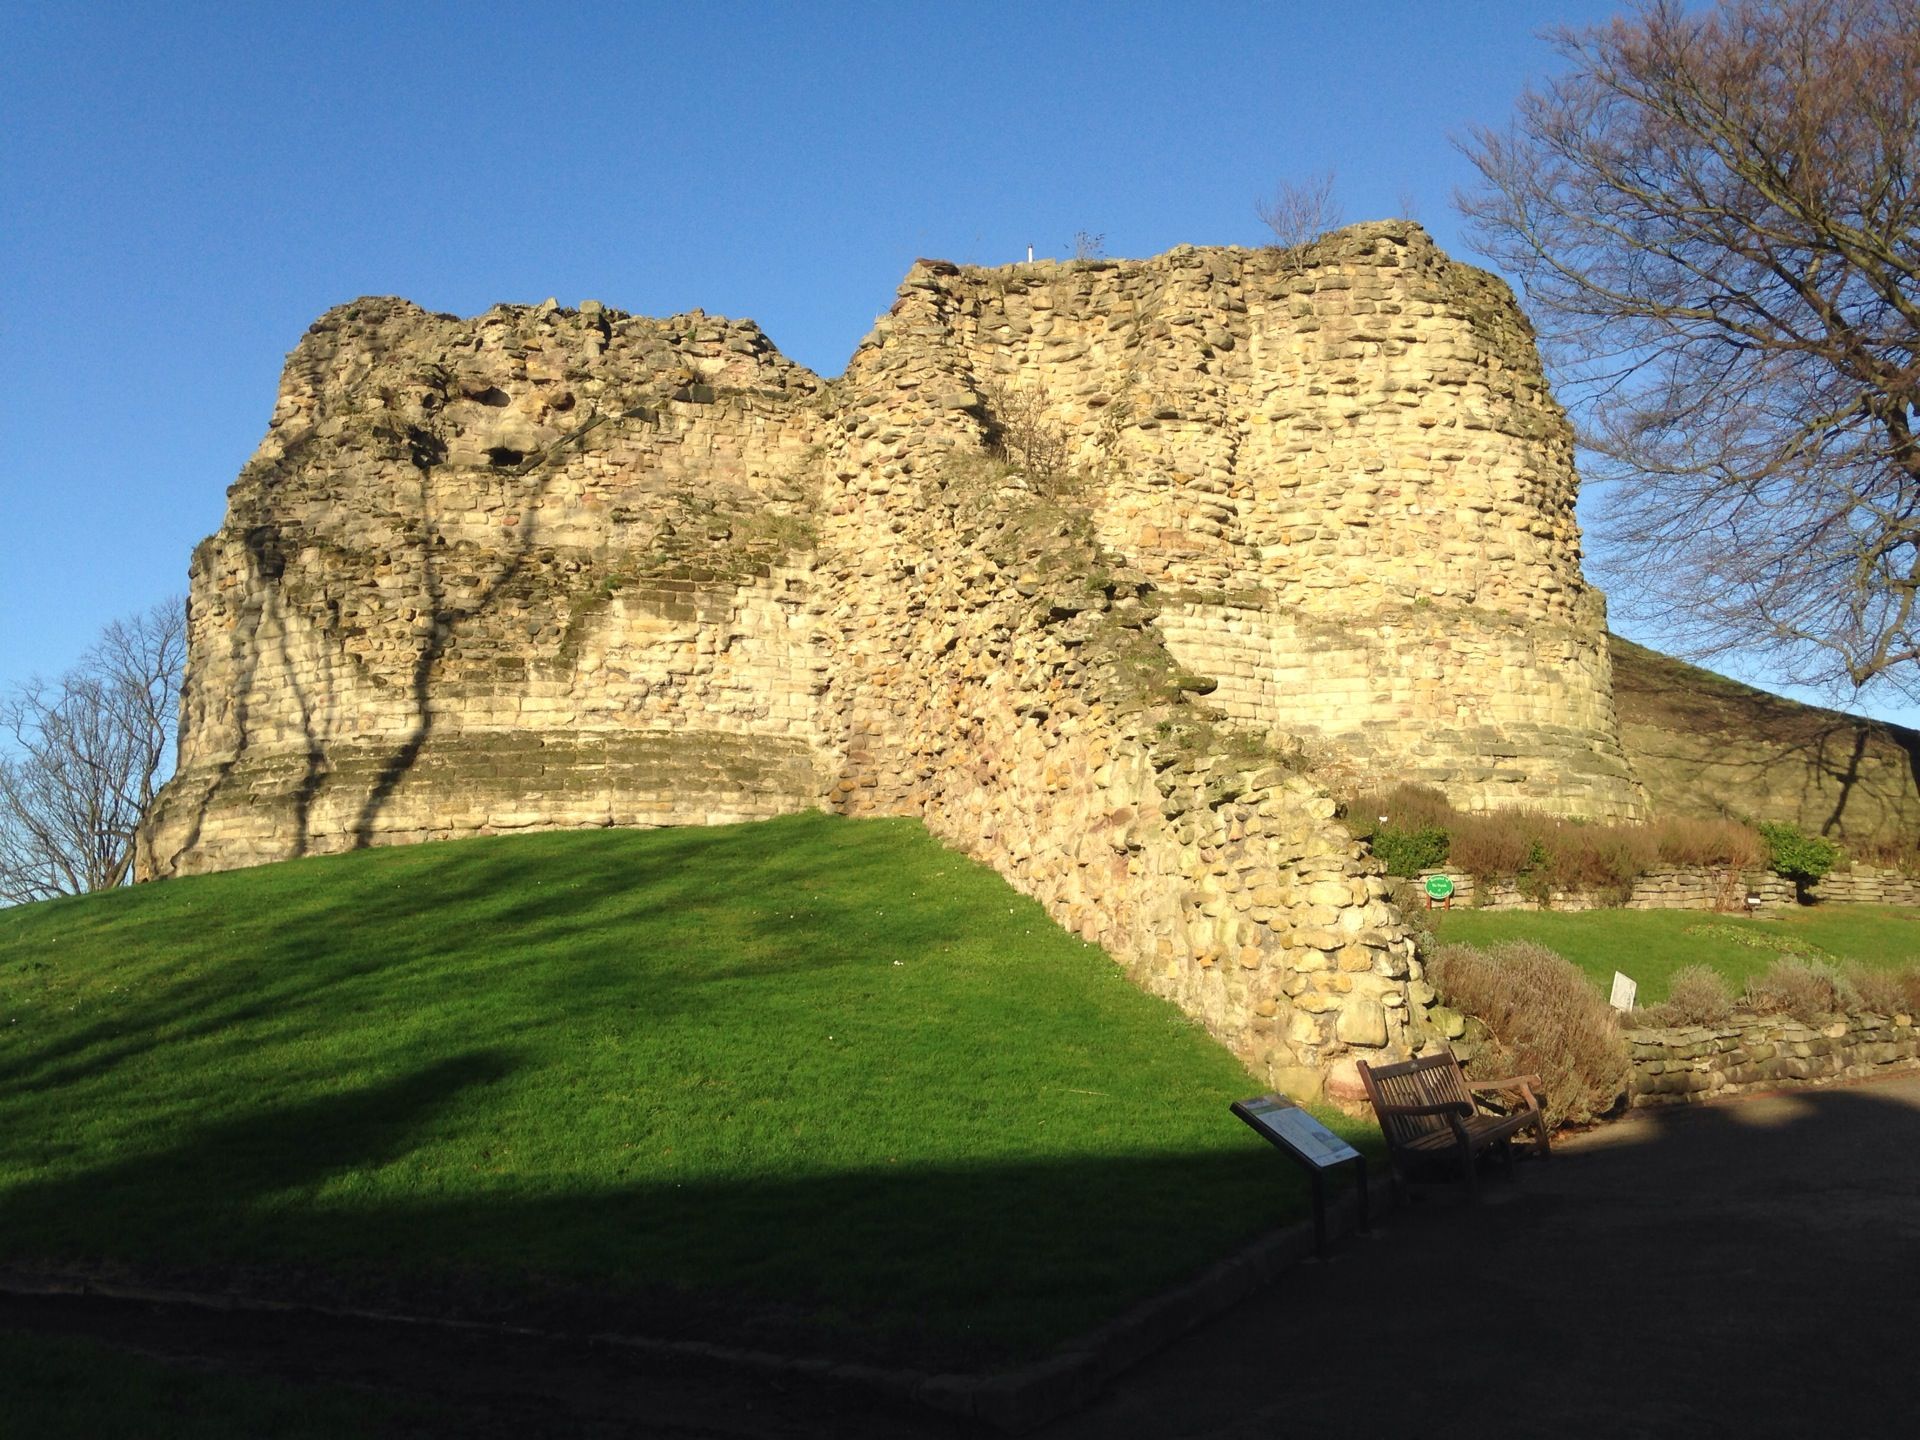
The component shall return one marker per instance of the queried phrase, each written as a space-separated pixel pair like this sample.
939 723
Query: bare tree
1716 217
1024 433
1299 211
1089 244
82 756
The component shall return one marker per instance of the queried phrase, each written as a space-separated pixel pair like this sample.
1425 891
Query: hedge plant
1797 855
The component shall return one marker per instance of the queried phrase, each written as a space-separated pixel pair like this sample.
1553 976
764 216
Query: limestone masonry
1093 566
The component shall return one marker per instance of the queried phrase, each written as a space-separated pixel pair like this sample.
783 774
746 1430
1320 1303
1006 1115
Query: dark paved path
1743 1269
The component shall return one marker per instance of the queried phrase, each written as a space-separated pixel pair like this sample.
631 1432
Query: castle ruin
1100 568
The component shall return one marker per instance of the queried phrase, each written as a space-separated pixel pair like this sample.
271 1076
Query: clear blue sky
186 186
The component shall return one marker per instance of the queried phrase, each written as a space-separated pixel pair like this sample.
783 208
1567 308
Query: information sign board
1439 887
1282 1121
1624 991
1309 1144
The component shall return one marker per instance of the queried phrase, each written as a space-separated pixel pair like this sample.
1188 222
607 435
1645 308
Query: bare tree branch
1299 211
82 757
1716 219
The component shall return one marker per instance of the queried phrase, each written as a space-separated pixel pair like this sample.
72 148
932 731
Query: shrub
1698 995
1909 976
1404 807
1885 992
1709 843
1414 910
1489 846
1800 857
1408 852
1601 858
1413 827
1024 432
1543 1017
1406 827
1800 986
1902 854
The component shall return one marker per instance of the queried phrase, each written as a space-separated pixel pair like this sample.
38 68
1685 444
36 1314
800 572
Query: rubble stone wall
1344 472
1763 1052
525 570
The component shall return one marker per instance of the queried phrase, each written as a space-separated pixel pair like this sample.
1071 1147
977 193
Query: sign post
1281 1122
1440 888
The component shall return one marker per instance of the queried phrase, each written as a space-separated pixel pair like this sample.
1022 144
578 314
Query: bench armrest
1512 1082
1524 1085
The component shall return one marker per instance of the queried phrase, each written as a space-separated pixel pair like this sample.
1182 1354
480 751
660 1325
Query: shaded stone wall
1708 746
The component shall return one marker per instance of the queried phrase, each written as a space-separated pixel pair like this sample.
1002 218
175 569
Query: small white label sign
1623 992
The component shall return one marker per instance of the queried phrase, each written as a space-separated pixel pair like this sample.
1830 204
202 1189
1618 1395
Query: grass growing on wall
1650 945
810 1076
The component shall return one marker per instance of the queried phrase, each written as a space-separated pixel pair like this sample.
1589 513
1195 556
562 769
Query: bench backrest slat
1425 1080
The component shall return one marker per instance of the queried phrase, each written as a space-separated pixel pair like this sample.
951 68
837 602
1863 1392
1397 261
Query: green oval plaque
1439 887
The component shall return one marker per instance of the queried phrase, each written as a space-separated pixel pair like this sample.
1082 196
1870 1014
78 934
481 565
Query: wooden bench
1434 1117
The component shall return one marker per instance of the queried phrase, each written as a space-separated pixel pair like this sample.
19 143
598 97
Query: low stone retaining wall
1694 889
1762 1052
1657 890
1869 885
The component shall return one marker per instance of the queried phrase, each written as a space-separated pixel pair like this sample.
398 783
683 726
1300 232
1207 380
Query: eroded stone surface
1090 566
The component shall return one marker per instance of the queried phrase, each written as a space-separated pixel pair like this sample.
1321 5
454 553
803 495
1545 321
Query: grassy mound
811 1082
1652 945
1706 746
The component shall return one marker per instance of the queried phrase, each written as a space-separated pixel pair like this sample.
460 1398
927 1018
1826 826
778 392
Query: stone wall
1697 889
1763 1052
1867 885
524 570
997 670
1098 568
1342 471
1673 889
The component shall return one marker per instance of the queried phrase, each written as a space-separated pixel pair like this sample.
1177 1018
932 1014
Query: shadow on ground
1743 1269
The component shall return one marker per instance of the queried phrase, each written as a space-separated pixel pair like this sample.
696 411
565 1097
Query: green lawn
1650 945
808 1080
